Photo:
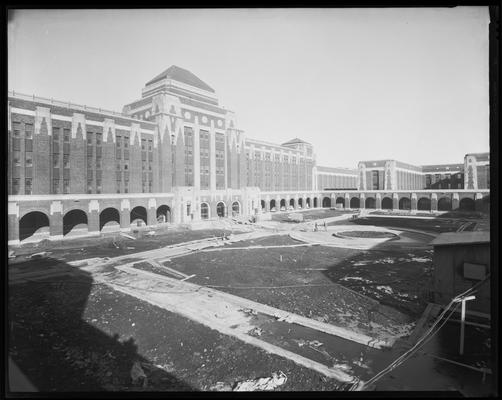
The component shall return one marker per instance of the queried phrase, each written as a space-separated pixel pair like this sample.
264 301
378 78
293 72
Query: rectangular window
28 159
28 186
143 144
55 147
99 138
28 131
66 161
89 138
16 158
150 145
126 142
15 186
55 134
66 186
16 129
118 140
55 186
28 144
66 135
118 154
98 186
126 154
16 144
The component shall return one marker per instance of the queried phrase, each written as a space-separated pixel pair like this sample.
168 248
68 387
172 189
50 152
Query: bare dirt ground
70 333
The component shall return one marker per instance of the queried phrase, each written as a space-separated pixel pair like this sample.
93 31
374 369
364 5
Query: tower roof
181 75
295 141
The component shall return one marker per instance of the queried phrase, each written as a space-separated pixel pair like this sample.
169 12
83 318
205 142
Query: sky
359 84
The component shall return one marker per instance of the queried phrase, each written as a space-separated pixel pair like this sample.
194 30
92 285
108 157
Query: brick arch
282 204
326 202
370 202
164 213
139 212
424 204
73 218
405 203
355 202
108 214
444 204
387 203
467 204
221 209
236 208
340 200
205 210
31 222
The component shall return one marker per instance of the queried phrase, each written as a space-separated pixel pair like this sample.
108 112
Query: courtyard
225 303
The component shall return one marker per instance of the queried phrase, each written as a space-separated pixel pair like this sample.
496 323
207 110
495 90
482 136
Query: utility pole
462 322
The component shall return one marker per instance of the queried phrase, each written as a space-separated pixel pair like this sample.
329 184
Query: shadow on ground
57 350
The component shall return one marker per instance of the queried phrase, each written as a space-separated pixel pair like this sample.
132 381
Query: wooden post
462 323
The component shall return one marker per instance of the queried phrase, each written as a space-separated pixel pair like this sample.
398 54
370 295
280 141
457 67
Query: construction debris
127 236
41 254
12 254
221 387
150 233
286 318
270 383
255 332
249 311
138 376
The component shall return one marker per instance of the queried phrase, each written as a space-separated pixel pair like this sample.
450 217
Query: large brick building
174 154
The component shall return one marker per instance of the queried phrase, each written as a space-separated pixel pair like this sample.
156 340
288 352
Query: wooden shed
462 260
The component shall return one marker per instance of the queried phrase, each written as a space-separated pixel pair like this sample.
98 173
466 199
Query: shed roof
461 238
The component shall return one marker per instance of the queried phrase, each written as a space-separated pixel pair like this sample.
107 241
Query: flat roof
460 238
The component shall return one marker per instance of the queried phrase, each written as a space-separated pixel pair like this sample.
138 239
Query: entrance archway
32 223
272 205
263 205
370 202
404 203
466 204
316 202
387 203
138 214
354 202
307 202
204 211
424 204
220 209
292 203
283 204
340 200
163 214
236 208
74 219
300 202
444 204
326 202
109 217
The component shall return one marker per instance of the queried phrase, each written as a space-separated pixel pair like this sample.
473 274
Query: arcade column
13 223
378 201
455 201
395 201
56 221
434 202
413 202
362 201
93 222
347 201
151 213
125 215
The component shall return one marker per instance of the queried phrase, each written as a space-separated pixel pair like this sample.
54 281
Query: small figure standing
315 227
325 226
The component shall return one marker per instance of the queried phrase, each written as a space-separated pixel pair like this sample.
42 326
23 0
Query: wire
427 336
